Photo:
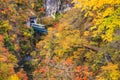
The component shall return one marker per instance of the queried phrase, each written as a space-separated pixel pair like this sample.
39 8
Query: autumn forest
59 39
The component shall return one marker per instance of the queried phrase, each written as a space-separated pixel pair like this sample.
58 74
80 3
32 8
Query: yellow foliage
111 70
67 40
88 4
106 16
110 67
6 25
86 33
14 77
32 4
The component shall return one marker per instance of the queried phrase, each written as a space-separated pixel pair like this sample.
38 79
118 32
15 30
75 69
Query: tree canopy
82 43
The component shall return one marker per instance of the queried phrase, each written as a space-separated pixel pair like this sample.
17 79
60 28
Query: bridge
38 28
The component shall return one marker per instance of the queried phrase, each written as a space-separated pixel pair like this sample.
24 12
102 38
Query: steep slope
74 42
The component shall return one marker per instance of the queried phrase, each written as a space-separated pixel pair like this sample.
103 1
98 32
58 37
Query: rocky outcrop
53 6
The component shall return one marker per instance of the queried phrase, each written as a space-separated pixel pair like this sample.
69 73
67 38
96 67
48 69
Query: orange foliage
1 38
26 1
22 75
85 68
77 78
3 58
56 24
68 61
12 70
53 79
35 72
42 9
78 69
42 70
82 70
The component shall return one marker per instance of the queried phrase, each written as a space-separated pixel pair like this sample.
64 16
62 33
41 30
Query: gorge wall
53 6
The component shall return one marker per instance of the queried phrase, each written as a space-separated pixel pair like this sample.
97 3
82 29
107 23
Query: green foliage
4 26
8 43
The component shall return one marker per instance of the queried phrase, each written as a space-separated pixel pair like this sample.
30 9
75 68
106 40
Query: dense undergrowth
82 44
